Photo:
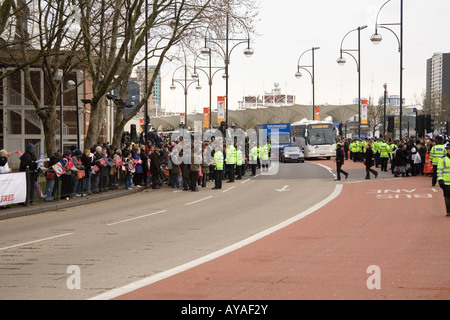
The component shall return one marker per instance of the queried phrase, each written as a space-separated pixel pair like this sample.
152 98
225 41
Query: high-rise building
438 78
154 101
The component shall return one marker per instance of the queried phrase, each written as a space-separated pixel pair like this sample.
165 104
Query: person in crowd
400 160
87 159
340 162
137 176
4 167
105 168
369 162
95 172
443 176
28 162
77 178
129 168
196 161
66 177
155 167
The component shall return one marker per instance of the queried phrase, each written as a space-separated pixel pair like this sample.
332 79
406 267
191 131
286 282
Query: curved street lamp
185 84
226 53
298 74
209 75
341 61
377 38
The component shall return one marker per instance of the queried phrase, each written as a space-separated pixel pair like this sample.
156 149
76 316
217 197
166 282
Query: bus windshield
321 135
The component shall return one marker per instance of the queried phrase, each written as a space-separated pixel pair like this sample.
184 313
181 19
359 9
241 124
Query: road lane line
171 272
188 204
35 241
228 189
135 218
246 180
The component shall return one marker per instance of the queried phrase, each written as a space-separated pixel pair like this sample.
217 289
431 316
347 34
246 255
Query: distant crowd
407 157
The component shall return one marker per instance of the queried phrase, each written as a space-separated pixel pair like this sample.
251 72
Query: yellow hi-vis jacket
443 170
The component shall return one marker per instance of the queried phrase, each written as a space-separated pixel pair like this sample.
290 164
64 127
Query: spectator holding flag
51 177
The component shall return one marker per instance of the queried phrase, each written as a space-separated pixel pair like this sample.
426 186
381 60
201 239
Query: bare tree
116 33
42 36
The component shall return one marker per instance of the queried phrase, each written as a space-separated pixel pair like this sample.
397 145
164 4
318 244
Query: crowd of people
77 173
407 157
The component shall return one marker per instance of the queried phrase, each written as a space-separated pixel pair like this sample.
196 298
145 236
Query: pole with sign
220 109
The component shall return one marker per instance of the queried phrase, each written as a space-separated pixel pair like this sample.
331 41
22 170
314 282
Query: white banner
364 112
13 188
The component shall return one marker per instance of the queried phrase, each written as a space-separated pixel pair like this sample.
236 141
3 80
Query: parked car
292 154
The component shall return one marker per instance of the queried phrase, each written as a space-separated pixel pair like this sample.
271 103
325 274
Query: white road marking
188 204
35 241
229 189
168 273
135 218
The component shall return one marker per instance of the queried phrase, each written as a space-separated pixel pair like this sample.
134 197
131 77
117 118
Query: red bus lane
380 239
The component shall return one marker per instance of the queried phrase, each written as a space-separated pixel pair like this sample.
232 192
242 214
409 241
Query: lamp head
249 52
341 61
70 84
376 38
298 75
205 51
173 87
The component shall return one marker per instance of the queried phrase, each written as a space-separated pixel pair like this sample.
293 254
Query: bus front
320 140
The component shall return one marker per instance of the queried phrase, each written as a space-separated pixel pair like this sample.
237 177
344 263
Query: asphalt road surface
83 252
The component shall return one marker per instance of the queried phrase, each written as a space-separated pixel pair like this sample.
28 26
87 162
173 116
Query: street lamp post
72 84
384 111
58 77
341 61
185 83
248 52
376 39
298 75
209 75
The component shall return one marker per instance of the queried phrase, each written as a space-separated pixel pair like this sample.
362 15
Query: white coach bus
316 138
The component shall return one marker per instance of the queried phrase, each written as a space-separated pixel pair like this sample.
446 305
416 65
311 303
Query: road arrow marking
285 188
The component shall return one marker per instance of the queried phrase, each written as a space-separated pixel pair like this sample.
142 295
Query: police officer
264 154
385 151
239 163
218 168
437 153
443 177
253 159
231 161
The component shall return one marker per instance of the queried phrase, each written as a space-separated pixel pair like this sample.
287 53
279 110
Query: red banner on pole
317 113
205 117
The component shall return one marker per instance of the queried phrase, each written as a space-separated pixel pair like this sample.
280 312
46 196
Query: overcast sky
287 28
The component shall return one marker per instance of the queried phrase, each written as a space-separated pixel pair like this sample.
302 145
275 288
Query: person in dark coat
400 160
28 161
369 161
155 167
340 156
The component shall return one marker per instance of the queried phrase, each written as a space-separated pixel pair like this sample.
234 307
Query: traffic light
420 126
428 123
390 127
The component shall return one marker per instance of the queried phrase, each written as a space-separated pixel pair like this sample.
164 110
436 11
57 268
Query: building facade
438 77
